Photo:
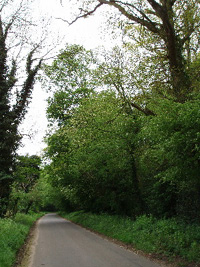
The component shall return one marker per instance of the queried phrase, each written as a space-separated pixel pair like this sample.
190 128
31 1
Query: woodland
124 126
124 123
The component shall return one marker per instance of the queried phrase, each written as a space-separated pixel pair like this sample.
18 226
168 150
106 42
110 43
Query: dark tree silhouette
14 98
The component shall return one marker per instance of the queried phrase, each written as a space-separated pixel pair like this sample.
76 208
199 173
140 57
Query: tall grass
167 237
13 233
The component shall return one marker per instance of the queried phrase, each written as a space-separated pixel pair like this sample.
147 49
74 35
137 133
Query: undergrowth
170 238
13 233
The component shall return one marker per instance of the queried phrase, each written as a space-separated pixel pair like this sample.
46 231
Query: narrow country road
60 243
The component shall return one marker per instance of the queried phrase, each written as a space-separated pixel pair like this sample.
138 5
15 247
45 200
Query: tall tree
15 94
175 24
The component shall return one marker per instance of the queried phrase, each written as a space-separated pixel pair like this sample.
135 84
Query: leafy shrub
13 233
168 156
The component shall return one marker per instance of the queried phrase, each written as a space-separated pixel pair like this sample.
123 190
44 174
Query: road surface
60 243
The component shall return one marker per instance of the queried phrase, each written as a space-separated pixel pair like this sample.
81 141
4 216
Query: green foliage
27 171
168 237
8 144
168 158
85 159
108 160
70 75
13 233
24 194
51 196
106 156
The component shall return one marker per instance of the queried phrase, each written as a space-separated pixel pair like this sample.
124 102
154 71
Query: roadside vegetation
124 128
13 233
166 239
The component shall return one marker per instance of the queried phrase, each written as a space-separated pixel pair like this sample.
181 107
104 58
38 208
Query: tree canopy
174 27
108 155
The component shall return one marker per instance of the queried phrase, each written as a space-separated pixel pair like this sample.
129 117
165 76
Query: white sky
87 32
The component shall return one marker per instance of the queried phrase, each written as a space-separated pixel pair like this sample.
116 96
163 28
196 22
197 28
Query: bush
168 155
13 233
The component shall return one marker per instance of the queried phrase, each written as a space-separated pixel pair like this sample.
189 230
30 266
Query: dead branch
82 16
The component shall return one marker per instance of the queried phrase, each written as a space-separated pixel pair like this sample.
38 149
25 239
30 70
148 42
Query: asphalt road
60 243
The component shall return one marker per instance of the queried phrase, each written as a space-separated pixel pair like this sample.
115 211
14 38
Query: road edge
150 256
25 253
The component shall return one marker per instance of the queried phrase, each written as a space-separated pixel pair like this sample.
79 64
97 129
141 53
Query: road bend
60 243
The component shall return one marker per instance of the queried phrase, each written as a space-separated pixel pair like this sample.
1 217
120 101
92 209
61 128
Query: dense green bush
168 155
13 233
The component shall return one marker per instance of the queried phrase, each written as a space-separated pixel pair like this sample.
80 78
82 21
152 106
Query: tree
89 141
26 175
70 78
92 160
15 94
174 26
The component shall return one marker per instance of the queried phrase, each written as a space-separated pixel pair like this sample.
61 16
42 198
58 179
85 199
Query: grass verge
169 238
13 233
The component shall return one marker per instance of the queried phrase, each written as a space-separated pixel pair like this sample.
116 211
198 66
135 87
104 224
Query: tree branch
13 18
156 6
189 33
154 24
24 96
148 24
7 28
3 5
82 16
30 59
145 110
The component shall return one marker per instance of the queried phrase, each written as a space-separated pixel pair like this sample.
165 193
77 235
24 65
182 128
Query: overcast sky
87 32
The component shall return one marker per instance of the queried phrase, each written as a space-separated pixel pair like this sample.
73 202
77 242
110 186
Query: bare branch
30 59
84 15
3 5
64 20
13 18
